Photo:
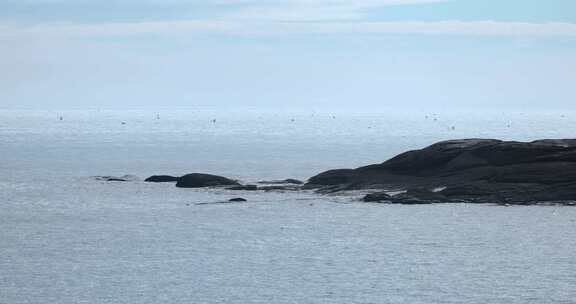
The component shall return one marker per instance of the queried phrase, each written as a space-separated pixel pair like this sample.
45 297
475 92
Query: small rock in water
238 199
116 180
125 178
200 180
377 197
244 188
161 179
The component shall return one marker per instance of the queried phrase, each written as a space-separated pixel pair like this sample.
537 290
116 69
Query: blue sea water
67 238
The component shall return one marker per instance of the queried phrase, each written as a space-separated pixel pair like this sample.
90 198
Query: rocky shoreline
541 172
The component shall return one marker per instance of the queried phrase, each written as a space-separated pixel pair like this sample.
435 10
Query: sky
288 53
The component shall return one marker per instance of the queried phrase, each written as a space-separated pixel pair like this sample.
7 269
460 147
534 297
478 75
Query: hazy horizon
292 53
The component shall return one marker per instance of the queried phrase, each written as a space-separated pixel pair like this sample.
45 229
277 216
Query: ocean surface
67 238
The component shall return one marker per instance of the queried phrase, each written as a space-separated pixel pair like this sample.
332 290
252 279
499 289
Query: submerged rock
234 200
407 201
123 178
238 199
280 188
115 179
244 188
200 180
411 197
285 181
421 194
377 197
417 198
161 179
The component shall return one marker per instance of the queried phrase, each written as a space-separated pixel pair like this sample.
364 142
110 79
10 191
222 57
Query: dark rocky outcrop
475 170
421 194
282 182
279 187
161 179
244 188
200 180
418 196
332 178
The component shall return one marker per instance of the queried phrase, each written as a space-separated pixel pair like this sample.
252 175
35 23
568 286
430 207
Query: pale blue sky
345 53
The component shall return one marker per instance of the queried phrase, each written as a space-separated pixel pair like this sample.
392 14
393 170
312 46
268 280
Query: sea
68 238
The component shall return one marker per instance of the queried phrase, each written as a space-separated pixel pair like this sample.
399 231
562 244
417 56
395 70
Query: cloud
314 10
288 17
244 2
276 28
278 10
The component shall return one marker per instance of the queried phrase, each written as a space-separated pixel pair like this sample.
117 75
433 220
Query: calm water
65 238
